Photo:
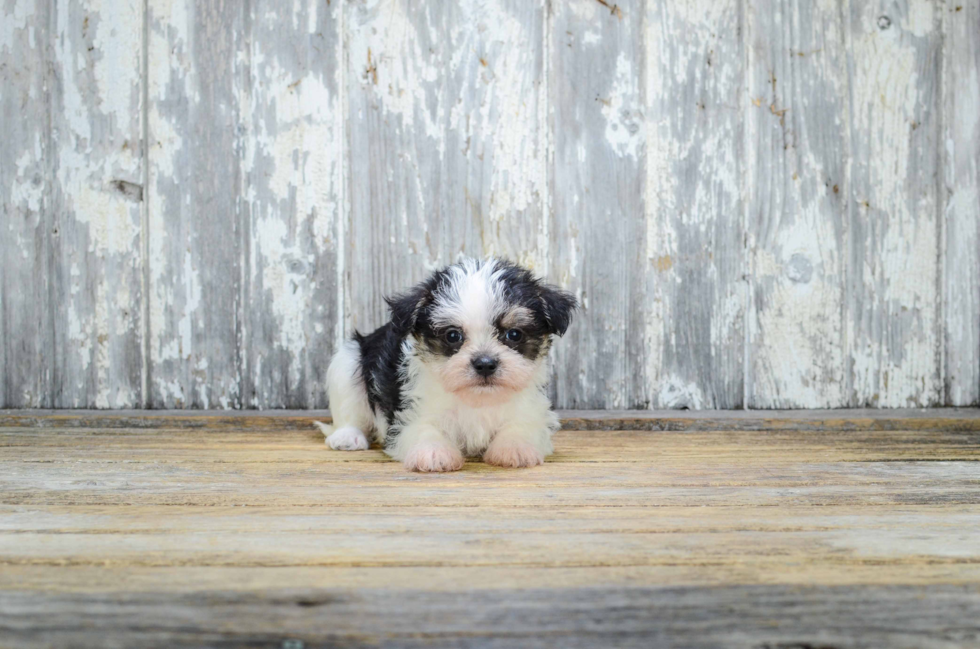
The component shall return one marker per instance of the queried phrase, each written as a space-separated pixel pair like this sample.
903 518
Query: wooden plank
649 456
595 93
948 419
735 469
155 466
96 266
72 269
894 288
294 189
961 139
687 315
790 520
815 420
197 75
179 580
732 616
230 536
913 540
796 179
180 444
447 142
385 486
27 160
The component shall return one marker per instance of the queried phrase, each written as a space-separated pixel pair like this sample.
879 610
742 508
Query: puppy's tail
326 429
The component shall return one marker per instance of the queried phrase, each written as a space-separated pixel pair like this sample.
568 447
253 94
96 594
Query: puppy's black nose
485 366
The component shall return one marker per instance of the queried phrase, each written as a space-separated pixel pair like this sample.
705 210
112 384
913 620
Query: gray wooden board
721 616
961 144
689 310
26 177
197 214
796 183
96 266
293 171
447 142
893 280
72 167
596 69
946 419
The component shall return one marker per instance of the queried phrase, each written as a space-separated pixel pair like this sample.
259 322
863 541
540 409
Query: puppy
459 370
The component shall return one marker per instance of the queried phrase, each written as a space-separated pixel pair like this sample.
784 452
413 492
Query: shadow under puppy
459 370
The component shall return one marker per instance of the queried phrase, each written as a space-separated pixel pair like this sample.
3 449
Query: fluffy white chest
471 428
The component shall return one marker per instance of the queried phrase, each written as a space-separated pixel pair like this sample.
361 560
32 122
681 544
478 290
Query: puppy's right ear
405 308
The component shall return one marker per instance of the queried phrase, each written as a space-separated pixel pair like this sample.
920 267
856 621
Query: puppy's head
483 327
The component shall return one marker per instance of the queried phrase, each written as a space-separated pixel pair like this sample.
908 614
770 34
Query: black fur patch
551 307
381 358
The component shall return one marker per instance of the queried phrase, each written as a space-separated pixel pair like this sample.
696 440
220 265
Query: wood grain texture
735 616
255 535
447 142
759 203
961 146
96 270
948 419
293 170
690 312
197 213
797 188
893 282
26 180
599 152
72 187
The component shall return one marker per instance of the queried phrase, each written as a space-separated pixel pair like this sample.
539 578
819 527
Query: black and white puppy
459 370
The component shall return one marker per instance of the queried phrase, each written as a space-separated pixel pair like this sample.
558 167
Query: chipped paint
747 219
692 193
795 331
894 311
624 119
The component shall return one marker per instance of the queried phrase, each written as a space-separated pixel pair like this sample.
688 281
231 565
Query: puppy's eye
454 336
514 335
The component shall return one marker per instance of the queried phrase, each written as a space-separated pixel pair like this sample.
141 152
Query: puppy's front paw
429 458
348 438
513 455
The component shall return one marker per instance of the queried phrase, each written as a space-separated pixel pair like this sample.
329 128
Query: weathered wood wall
760 203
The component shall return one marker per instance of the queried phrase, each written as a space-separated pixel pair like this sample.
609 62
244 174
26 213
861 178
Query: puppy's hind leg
352 417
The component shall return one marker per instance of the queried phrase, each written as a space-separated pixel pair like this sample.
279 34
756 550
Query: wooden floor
843 529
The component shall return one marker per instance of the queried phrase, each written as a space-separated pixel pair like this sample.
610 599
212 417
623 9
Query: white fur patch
433 458
348 398
513 454
348 438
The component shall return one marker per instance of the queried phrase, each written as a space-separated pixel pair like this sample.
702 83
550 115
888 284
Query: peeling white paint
192 297
465 103
921 19
15 20
795 333
624 120
399 69
118 40
894 365
27 188
674 393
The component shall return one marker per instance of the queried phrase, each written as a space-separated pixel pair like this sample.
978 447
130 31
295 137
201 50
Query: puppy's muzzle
485 365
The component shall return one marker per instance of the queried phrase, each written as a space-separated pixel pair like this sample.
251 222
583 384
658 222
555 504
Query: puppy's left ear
557 306
405 308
